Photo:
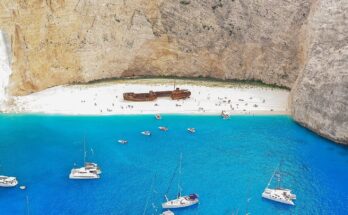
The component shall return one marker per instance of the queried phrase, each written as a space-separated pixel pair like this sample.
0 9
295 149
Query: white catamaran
278 194
180 201
88 171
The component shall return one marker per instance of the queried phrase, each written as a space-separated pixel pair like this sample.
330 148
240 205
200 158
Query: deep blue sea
227 162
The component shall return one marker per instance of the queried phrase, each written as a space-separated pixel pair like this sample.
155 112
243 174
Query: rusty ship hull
153 95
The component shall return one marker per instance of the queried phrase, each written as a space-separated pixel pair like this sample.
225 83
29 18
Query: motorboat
167 212
181 202
123 141
83 173
8 181
158 116
191 130
278 194
146 133
162 128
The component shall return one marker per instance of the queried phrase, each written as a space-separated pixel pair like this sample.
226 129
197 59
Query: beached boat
180 201
153 95
162 128
278 194
123 141
8 181
191 130
146 133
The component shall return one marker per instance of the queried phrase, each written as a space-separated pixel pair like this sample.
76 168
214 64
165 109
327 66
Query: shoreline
106 99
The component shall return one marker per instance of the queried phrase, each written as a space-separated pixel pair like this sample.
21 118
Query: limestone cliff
320 97
57 41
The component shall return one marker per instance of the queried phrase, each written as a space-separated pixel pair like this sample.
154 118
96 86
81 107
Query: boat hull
9 185
6 181
181 202
280 200
83 177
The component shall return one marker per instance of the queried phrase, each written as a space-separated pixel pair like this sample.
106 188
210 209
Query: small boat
146 133
7 181
162 128
278 194
22 187
180 201
167 212
224 115
191 130
123 141
158 116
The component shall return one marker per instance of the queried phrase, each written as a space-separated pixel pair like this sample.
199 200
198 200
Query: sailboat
88 171
278 194
180 201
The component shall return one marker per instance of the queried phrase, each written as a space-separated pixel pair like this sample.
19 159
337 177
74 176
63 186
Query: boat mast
270 180
27 204
151 191
278 179
179 178
84 150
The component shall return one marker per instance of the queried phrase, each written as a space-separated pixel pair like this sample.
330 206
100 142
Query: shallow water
226 162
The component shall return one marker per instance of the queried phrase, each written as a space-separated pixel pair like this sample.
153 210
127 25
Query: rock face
299 44
320 96
57 41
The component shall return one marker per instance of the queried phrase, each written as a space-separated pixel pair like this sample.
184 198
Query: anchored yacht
278 194
180 201
7 181
88 171
82 173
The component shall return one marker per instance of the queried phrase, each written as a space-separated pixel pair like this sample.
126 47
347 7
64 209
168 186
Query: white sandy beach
106 99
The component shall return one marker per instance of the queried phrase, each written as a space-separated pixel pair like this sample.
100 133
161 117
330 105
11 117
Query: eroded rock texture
320 98
57 41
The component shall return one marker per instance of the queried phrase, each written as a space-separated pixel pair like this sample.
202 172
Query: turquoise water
226 162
